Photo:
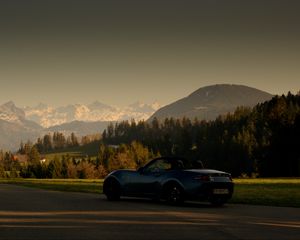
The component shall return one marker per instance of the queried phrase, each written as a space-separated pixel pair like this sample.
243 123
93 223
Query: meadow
70 185
284 192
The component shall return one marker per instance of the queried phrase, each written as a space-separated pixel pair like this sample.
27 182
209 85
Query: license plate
220 191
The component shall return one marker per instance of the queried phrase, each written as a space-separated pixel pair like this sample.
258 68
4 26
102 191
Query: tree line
57 141
109 158
261 141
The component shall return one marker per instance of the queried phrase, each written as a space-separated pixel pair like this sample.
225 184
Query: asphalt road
27 213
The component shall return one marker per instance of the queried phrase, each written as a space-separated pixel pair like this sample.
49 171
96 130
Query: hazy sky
118 52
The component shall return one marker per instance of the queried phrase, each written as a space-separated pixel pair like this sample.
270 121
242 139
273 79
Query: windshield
172 164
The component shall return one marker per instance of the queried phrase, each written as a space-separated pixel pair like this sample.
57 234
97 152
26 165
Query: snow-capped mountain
10 113
14 127
28 123
48 116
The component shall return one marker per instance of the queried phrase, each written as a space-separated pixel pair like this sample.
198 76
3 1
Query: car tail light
205 178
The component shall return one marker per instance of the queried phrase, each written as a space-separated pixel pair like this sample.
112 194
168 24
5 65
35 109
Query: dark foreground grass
270 192
70 185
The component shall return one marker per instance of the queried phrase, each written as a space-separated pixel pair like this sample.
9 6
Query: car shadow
186 204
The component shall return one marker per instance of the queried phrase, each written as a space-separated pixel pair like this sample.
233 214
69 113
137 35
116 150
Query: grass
51 156
270 192
70 185
90 150
76 155
283 192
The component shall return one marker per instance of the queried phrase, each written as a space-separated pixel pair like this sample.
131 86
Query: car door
152 175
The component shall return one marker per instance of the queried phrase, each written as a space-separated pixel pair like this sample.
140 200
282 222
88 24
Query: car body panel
150 182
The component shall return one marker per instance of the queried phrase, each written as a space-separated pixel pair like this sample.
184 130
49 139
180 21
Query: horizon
135 102
75 103
121 52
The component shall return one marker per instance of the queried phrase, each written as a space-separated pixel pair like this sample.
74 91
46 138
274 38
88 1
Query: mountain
98 105
10 113
48 116
14 127
22 124
211 101
80 128
29 123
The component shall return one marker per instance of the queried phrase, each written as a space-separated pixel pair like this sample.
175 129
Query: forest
262 141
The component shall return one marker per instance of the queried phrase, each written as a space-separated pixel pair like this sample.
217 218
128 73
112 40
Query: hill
80 128
209 102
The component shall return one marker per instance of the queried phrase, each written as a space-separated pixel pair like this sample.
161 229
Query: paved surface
27 213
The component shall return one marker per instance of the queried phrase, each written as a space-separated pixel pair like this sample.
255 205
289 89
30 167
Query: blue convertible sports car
167 178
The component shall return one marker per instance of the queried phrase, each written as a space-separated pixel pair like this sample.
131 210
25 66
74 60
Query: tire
174 194
111 189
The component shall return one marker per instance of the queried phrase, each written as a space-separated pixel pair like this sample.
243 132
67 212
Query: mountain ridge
209 102
48 116
80 128
28 123
22 124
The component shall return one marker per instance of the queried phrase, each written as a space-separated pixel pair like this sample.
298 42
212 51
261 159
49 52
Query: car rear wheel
174 194
111 189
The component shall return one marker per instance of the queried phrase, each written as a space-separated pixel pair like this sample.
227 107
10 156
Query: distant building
21 158
114 146
43 160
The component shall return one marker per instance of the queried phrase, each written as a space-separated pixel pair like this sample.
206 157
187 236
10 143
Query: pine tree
34 156
47 143
74 140
55 168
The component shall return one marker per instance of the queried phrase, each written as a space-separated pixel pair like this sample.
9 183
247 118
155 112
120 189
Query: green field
271 192
71 185
89 150
274 192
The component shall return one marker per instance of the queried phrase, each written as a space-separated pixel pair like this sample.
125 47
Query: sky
122 51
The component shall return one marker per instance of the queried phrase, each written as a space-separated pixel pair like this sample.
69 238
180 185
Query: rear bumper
206 191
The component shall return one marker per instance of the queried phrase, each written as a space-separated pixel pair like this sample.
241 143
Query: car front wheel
111 189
